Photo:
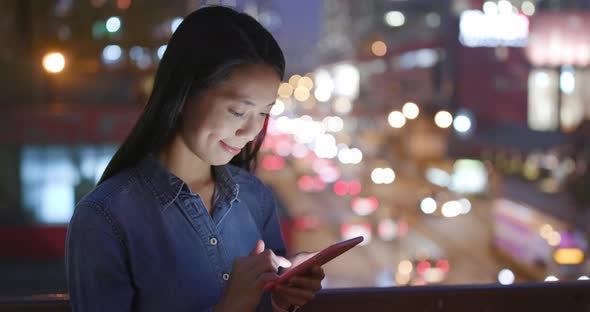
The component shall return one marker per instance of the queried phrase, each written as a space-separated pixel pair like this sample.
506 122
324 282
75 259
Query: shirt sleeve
96 267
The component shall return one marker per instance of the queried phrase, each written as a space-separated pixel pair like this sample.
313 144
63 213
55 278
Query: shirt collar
166 186
225 183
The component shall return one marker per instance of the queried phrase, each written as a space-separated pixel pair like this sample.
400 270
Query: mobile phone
318 259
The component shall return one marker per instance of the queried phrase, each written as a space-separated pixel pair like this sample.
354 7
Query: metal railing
554 296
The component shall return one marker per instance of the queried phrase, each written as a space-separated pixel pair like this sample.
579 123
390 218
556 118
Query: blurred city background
453 134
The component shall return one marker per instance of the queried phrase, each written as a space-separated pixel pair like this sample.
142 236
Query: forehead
259 83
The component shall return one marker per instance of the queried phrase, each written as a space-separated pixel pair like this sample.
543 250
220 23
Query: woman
178 222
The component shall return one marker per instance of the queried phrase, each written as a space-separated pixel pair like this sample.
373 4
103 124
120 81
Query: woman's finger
311 284
265 278
318 272
295 296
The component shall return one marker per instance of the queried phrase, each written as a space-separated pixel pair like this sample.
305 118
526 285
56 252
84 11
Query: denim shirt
142 241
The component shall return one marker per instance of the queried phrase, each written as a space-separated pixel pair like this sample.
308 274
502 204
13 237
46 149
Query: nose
250 127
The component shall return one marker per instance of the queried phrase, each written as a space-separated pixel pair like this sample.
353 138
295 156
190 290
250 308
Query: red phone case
320 259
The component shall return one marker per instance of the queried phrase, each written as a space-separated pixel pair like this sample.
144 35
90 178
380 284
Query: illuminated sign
559 39
479 29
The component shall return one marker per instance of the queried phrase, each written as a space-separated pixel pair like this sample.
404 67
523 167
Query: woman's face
220 122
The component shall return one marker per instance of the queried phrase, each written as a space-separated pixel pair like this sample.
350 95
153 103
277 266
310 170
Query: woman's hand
301 288
248 277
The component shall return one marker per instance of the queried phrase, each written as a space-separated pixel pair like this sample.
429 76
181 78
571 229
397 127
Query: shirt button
225 276
213 241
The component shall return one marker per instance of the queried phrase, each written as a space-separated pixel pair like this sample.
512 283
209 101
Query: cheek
205 123
260 126
192 133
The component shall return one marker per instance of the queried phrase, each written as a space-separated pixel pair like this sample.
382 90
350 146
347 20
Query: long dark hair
202 52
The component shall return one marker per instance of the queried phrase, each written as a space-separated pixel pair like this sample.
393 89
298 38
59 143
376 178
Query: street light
54 62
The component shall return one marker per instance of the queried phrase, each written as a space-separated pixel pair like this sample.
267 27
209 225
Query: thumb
258 249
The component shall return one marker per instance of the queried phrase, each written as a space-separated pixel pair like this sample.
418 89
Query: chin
219 161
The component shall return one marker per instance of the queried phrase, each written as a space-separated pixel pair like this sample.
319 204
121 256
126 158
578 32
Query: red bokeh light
341 188
422 267
443 265
305 183
271 162
354 187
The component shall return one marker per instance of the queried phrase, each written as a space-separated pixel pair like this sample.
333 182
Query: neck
183 163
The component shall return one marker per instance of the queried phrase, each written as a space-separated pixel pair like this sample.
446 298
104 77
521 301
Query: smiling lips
230 149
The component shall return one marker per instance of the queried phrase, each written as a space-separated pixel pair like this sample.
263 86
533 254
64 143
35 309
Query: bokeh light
443 119
506 277
405 267
428 205
113 24
395 18
54 62
411 110
278 108
396 119
175 23
111 54
379 48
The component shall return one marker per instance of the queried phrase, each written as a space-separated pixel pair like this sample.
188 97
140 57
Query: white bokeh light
490 8
113 24
111 54
346 80
395 18
551 278
466 205
356 156
396 119
528 8
383 176
54 62
451 209
161 51
324 85
278 108
428 205
504 7
443 119
411 110
462 123
175 23
506 277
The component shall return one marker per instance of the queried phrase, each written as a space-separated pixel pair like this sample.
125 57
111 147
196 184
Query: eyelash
236 114
233 112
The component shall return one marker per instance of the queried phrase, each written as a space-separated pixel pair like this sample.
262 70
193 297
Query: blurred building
398 47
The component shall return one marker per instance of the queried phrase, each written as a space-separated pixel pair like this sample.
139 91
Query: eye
237 114
264 114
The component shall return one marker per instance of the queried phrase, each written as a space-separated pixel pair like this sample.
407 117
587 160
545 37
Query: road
464 241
